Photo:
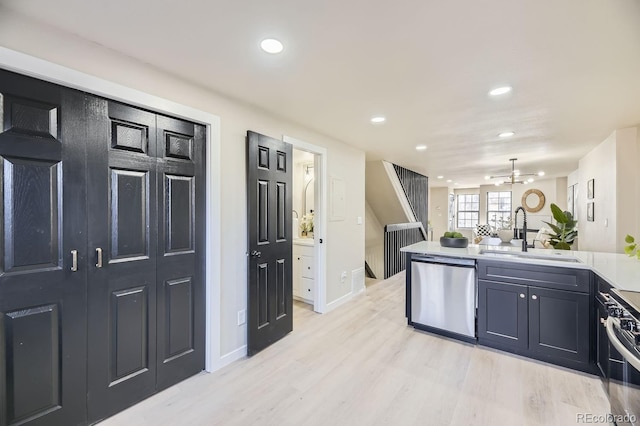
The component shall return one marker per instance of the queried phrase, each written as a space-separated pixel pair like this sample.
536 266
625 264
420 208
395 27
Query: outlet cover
343 276
242 316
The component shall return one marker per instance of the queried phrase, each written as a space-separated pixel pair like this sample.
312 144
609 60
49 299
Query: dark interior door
269 204
122 266
180 251
42 300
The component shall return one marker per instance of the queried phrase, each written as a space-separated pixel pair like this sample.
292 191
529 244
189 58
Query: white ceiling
425 65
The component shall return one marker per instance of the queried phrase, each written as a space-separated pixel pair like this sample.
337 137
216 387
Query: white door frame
48 71
320 221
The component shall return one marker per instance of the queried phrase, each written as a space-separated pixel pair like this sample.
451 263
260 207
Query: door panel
129 214
32 219
129 333
122 293
179 199
269 204
180 250
33 356
42 302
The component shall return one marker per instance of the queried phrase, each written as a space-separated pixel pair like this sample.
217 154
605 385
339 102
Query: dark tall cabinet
102 268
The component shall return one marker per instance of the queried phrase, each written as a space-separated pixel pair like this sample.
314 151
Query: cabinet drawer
540 276
307 266
307 288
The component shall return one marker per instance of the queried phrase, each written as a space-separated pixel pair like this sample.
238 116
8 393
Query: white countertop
619 270
304 241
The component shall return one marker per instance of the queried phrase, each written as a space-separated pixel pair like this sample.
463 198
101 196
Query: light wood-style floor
362 365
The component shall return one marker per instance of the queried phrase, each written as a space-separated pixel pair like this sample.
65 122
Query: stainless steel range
623 331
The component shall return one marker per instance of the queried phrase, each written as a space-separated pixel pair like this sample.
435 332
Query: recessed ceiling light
271 45
506 134
378 119
456 183
440 177
500 91
530 180
449 181
540 173
487 177
421 147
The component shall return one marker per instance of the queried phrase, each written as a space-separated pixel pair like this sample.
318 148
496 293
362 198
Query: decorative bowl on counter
454 242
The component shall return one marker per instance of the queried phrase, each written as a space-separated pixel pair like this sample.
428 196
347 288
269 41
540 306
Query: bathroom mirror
308 189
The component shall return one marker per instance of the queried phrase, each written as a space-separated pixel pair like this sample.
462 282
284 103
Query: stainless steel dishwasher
443 295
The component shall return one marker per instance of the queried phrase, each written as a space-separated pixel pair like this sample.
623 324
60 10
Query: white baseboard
230 357
340 301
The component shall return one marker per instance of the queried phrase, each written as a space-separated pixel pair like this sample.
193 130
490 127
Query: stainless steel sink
557 257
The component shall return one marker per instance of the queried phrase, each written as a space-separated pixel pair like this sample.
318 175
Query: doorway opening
309 225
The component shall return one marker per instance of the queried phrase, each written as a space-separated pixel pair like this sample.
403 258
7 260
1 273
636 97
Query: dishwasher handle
444 260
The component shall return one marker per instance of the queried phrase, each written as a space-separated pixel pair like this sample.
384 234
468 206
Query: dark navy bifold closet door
122 262
43 253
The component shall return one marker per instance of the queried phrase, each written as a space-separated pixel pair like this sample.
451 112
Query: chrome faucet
525 246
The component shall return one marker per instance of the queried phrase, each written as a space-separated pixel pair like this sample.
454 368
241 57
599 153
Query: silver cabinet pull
521 295
534 297
99 255
74 260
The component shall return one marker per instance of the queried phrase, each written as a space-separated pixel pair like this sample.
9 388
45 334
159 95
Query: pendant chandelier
515 176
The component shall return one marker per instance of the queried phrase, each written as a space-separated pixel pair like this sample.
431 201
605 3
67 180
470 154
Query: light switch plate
242 316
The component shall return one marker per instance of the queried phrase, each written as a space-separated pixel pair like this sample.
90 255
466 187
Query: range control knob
628 324
615 311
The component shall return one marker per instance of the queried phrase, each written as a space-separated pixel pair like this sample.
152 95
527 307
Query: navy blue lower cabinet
559 324
502 314
549 318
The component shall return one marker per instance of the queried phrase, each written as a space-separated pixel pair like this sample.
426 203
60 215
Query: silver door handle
534 297
74 260
256 253
99 255
613 339
521 295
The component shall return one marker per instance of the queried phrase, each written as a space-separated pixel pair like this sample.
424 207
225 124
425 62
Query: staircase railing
416 189
396 236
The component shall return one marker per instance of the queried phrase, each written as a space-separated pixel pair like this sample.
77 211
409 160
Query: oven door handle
613 339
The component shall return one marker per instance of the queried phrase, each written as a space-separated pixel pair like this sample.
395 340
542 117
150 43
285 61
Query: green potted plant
631 249
565 229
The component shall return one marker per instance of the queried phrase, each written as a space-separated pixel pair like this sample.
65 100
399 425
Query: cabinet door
297 272
502 314
559 323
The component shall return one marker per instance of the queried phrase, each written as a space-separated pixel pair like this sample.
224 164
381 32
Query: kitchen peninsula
540 304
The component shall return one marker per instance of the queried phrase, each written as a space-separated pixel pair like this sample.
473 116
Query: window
468 210
499 209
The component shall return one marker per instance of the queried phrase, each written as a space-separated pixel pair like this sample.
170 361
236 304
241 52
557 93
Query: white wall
344 239
381 195
614 167
374 242
439 210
